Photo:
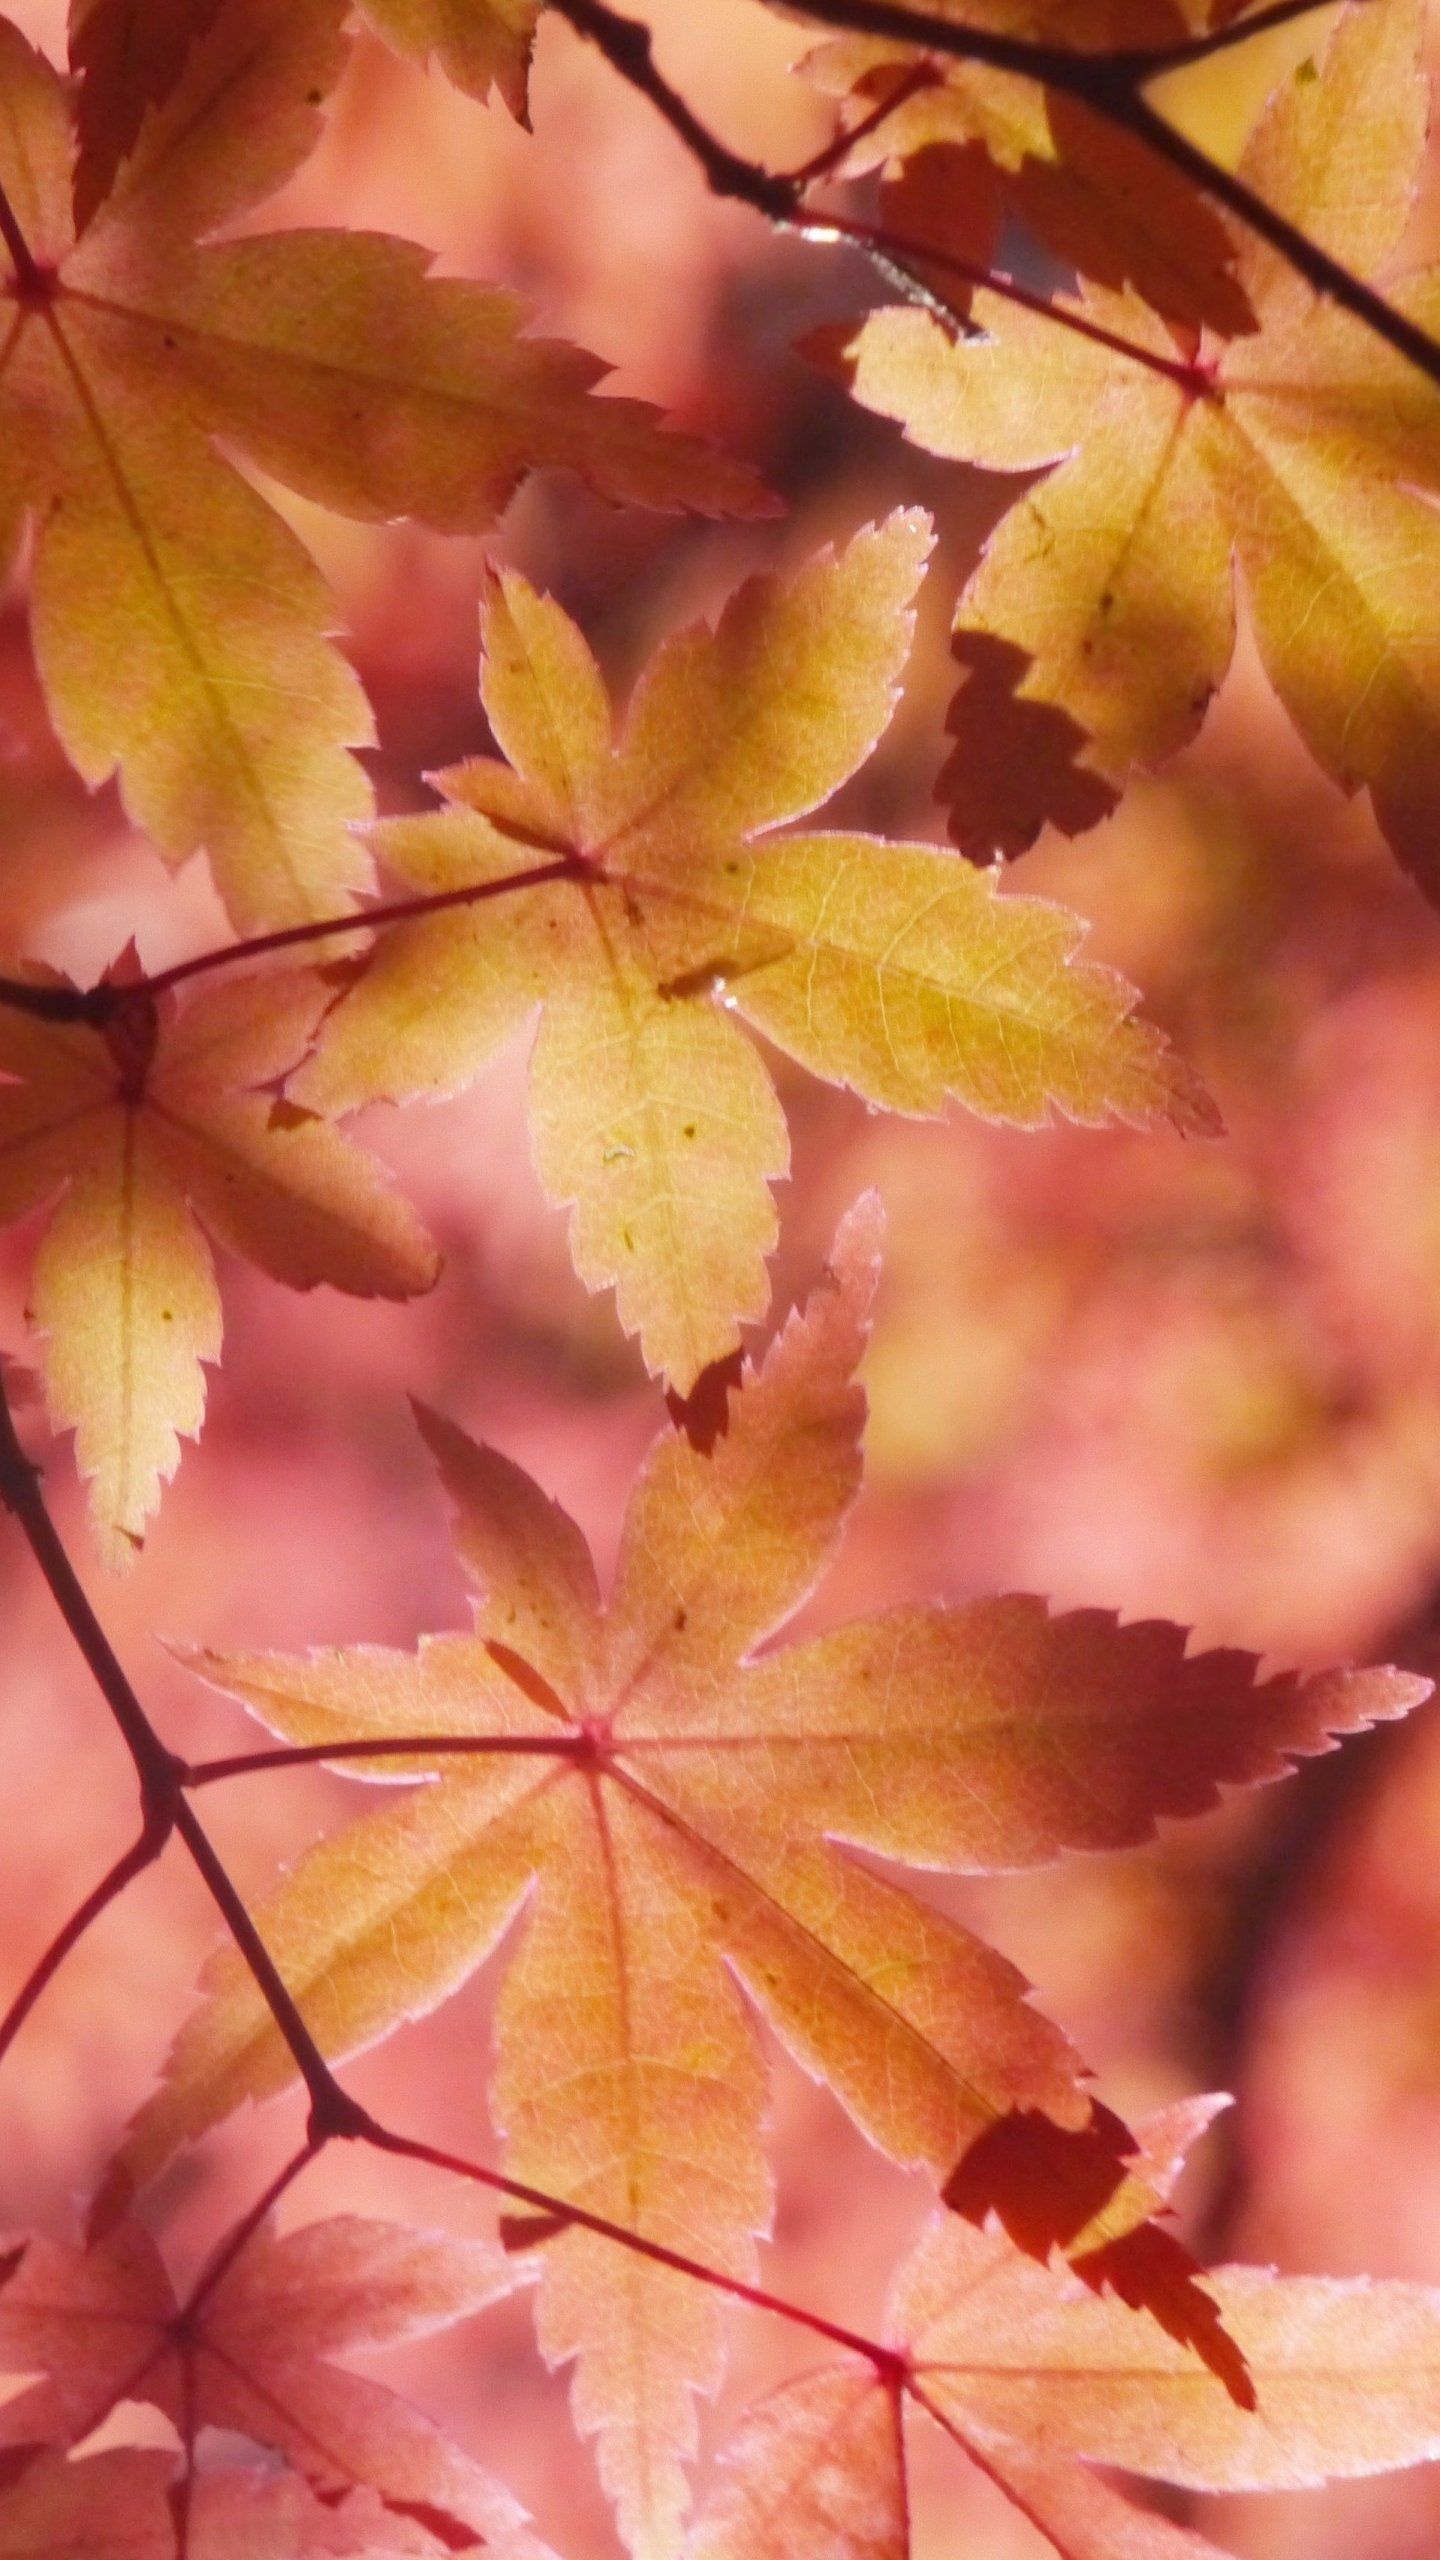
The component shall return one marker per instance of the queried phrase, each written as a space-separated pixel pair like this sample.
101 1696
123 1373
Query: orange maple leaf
670 1805
1306 452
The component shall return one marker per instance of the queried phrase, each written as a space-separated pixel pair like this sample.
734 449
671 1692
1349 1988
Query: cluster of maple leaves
691 1822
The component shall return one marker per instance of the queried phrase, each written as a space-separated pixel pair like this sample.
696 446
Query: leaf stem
825 162
566 865
217 2267
554 2209
1190 378
96 1005
254 1764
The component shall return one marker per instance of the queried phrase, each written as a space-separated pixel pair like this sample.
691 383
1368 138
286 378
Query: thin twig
141 1854
825 162
1111 85
1006 288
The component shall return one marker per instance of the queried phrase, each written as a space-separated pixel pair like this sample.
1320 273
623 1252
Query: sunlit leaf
887 967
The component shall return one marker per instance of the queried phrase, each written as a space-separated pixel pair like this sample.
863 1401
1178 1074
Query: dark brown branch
161 1774
777 196
628 49
1145 63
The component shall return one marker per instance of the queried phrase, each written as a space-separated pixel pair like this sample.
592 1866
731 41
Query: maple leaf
479 44
146 1126
887 967
989 145
130 54
180 627
112 2506
1025 2370
103 2325
1306 451
670 1807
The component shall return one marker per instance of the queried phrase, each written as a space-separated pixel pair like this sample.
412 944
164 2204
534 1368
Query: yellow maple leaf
146 1125
669 1808
479 44
888 967
180 627
1101 618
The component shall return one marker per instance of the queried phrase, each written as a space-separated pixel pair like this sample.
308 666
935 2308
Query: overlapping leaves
1035 2379
152 1126
662 1800
887 967
180 627
253 2354
1101 618
969 146
131 54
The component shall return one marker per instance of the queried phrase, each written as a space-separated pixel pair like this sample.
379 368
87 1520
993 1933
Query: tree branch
1111 85
161 1774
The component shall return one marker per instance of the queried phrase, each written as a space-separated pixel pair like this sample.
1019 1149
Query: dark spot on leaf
525 1676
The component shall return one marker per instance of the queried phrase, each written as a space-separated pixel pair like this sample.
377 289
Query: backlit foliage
668 1949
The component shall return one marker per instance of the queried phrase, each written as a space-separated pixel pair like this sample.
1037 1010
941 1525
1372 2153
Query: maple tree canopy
689 1829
